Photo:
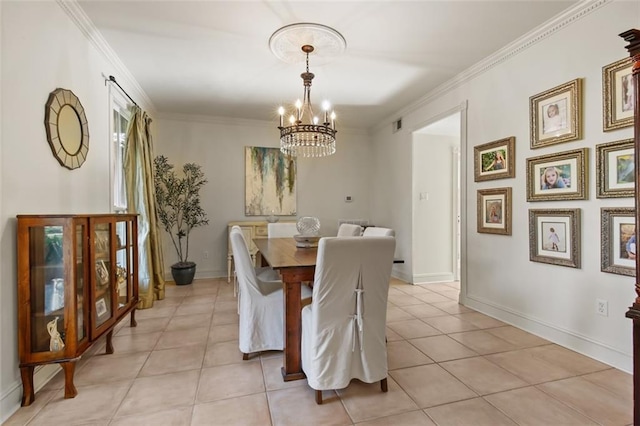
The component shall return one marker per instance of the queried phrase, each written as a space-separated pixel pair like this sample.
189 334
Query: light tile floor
448 365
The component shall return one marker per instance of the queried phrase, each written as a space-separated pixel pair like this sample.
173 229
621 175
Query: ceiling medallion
285 43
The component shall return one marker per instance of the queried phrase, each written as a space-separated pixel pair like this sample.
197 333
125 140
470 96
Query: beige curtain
138 168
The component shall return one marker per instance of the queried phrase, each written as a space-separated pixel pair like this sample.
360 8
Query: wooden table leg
292 363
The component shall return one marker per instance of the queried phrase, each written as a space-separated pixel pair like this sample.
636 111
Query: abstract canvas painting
270 182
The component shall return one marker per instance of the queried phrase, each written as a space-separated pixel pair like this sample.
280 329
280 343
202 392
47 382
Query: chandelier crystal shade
305 135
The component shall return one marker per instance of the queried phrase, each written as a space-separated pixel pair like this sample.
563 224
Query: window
120 116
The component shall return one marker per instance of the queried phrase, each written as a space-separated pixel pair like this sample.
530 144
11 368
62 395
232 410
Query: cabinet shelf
50 330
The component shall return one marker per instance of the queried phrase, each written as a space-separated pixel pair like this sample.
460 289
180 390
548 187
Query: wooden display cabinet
77 278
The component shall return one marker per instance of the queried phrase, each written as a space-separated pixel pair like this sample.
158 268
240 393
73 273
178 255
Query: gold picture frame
494 211
618 96
618 244
495 160
554 237
560 176
615 169
556 115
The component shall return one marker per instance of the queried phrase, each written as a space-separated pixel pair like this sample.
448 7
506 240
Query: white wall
433 215
218 146
43 49
552 301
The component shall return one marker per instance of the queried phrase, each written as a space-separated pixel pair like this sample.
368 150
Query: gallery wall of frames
555 117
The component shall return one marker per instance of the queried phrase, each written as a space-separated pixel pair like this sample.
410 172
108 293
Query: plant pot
183 272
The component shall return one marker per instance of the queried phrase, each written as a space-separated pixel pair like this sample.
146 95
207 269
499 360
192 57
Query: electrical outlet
602 307
205 254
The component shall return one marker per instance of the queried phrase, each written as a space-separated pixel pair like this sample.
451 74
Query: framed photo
102 273
101 308
102 240
618 95
615 167
618 245
555 115
560 176
495 160
554 237
494 211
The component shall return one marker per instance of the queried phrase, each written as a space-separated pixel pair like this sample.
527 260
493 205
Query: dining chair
260 301
349 230
273 275
281 230
377 231
343 329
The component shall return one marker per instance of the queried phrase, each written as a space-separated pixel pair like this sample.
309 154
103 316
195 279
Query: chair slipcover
265 273
349 230
376 231
260 301
343 329
281 230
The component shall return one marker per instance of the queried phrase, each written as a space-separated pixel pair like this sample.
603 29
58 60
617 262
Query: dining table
295 265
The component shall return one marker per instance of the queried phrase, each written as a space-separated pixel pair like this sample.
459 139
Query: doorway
436 206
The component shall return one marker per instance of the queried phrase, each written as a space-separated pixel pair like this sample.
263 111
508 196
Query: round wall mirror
67 128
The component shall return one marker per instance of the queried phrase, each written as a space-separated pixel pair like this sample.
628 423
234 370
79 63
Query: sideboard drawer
261 231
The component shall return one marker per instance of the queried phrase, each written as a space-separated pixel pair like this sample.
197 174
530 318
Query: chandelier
304 136
302 133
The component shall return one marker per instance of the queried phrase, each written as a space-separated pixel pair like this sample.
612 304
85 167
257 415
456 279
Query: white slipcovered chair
343 329
281 230
377 231
349 230
260 301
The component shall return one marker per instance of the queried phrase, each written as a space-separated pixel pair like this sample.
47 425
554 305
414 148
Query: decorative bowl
308 225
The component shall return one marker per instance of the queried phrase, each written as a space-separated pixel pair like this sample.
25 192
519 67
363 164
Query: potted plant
179 209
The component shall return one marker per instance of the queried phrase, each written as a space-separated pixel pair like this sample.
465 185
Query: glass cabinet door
47 288
123 263
103 291
81 247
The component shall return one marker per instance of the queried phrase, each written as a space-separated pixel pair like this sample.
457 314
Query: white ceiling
212 57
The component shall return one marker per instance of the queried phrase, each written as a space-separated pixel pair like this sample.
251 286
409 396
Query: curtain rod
113 80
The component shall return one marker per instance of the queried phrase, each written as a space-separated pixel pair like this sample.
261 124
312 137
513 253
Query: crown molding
559 22
211 119
123 75
232 121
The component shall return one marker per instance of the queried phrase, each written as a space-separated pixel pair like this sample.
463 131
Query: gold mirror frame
69 143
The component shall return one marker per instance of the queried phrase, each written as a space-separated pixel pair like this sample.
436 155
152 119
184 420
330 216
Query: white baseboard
401 276
206 274
566 338
439 277
12 399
